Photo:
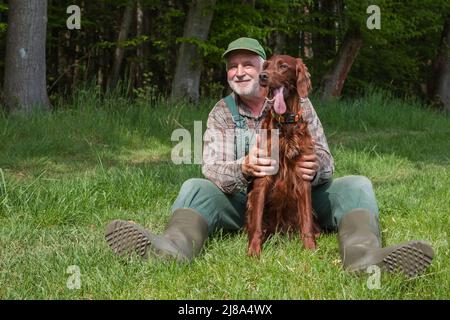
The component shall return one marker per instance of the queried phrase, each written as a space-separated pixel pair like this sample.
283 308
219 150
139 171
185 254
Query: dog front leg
307 227
255 215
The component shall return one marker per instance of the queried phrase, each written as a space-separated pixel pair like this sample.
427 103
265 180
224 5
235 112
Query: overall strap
242 136
238 120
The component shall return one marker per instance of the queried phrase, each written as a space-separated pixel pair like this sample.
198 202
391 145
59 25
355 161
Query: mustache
246 78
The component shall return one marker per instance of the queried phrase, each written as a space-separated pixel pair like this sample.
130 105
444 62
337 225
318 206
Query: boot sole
125 237
412 258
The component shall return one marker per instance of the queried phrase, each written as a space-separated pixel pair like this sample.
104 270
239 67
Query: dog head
285 76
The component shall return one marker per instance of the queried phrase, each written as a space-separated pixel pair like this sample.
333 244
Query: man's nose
240 72
263 76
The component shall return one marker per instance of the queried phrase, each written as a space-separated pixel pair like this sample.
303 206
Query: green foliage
397 57
233 19
3 9
148 92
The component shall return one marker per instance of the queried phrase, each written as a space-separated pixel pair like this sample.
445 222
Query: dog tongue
279 104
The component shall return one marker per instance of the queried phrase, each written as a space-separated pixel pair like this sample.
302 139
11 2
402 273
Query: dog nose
263 76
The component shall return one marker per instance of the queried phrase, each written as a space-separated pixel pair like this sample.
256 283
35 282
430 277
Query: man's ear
303 79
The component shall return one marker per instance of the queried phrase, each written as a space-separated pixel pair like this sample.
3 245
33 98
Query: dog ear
303 79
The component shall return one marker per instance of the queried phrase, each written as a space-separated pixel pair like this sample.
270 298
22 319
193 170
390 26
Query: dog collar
287 118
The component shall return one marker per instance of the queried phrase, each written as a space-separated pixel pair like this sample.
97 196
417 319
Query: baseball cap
246 44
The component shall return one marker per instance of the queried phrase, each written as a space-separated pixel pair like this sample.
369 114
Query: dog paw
254 253
254 250
309 242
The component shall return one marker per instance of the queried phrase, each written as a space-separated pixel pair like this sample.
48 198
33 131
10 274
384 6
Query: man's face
243 68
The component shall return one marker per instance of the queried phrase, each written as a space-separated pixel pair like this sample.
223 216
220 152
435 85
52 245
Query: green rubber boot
183 238
360 247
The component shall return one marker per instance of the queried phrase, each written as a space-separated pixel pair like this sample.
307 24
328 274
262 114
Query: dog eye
284 66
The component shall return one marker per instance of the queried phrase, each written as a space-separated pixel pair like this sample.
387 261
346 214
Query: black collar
287 118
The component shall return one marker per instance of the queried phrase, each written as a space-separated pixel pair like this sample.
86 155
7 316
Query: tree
439 85
140 24
324 41
333 81
120 50
186 82
25 66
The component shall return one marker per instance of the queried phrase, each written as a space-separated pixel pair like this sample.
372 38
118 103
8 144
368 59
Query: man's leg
334 199
349 205
199 210
220 210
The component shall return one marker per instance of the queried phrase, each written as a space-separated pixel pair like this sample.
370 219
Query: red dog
282 202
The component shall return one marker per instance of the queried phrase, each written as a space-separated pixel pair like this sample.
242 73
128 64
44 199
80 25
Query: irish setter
282 202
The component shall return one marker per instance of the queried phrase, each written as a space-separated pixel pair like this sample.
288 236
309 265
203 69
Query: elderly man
203 206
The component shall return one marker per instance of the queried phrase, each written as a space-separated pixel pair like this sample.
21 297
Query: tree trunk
120 50
329 40
280 43
25 83
439 84
140 47
307 39
333 81
186 82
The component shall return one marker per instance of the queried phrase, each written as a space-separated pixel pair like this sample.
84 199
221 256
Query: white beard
250 90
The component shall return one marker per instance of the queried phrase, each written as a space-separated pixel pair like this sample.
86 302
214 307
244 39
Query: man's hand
257 164
308 166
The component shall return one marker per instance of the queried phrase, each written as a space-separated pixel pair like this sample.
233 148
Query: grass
63 176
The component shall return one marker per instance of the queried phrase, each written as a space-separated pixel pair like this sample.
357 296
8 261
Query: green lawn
64 176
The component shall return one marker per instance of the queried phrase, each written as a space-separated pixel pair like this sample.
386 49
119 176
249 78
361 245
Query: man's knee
355 192
355 184
195 192
198 185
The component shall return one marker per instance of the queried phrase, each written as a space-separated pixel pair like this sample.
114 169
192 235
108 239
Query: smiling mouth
240 82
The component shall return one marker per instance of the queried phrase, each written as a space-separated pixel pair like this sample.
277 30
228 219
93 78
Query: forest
154 48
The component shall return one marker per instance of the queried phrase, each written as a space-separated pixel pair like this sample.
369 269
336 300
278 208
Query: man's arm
324 158
219 160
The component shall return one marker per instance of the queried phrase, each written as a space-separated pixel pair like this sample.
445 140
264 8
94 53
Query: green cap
246 44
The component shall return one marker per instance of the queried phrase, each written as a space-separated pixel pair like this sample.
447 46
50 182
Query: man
203 206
